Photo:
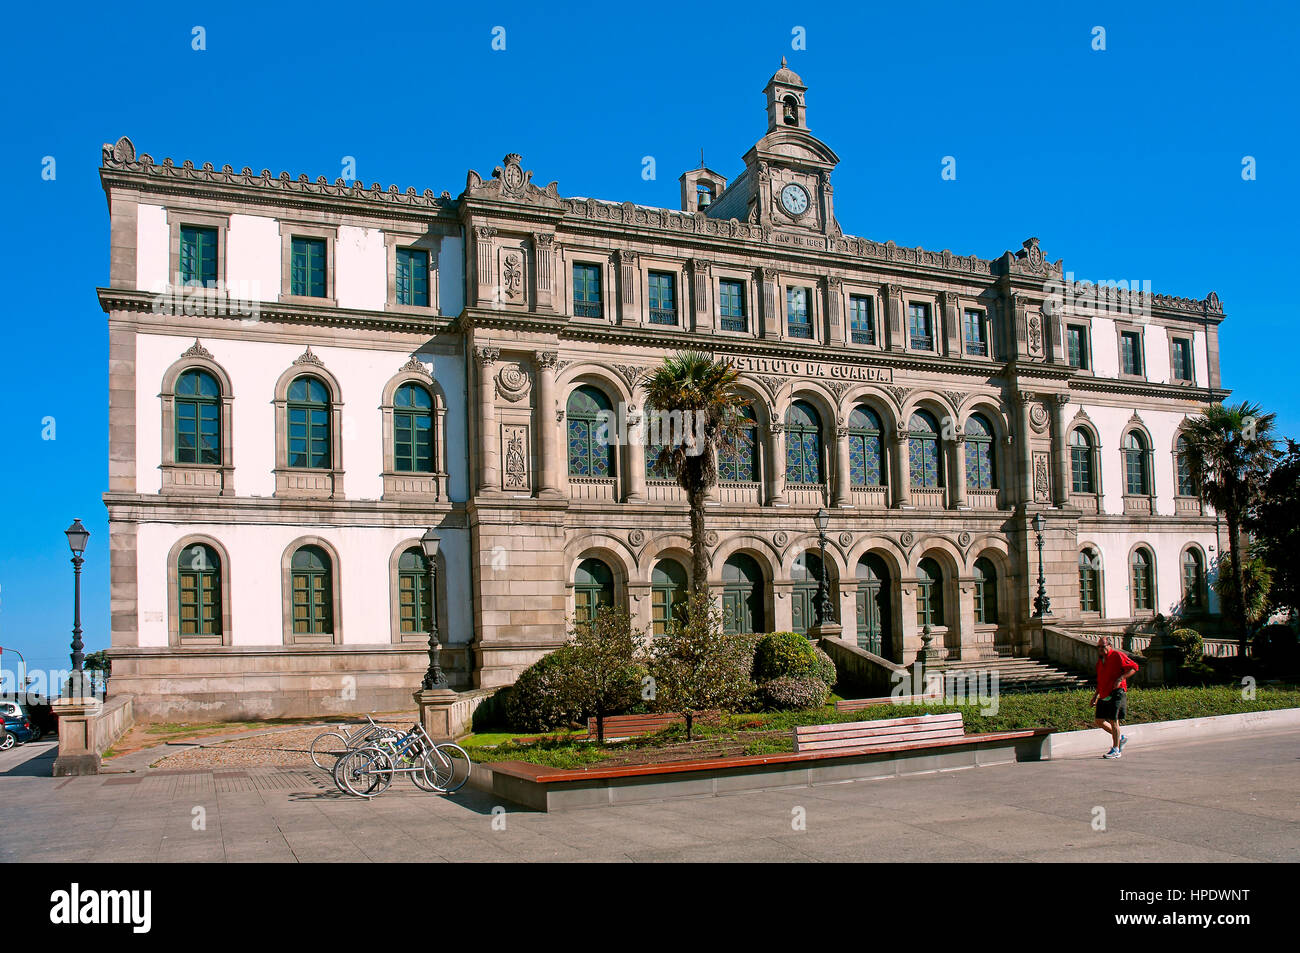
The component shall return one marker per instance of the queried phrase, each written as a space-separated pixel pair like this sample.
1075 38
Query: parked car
18 731
12 710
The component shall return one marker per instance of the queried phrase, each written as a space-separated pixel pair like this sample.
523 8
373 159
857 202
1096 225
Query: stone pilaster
957 494
629 282
902 472
834 310
489 439
700 272
543 271
895 320
485 287
1060 451
771 303
952 322
1024 447
843 480
776 465
545 427
634 459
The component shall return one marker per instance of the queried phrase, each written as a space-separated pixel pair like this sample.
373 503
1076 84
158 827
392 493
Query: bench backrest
869 734
628 726
857 704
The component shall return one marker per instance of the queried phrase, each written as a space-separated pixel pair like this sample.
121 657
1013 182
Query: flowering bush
791 692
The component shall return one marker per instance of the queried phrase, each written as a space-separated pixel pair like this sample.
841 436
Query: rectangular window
861 327
796 313
1182 359
413 277
920 330
586 291
307 269
1130 352
1076 345
198 256
1087 587
731 306
663 303
976 338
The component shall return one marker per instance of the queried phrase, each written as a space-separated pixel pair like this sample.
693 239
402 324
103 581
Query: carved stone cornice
415 365
198 350
487 355
545 360
307 357
511 183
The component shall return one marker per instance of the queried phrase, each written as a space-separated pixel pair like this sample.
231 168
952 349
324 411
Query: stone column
776 468
843 480
835 310
629 279
895 329
441 433
700 275
771 312
634 459
957 496
902 473
543 258
489 438
1024 454
952 322
544 425
1060 451
486 276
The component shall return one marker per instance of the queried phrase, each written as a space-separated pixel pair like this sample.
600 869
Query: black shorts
1113 706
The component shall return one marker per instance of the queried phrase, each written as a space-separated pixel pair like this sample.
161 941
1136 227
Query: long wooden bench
622 727
858 704
860 735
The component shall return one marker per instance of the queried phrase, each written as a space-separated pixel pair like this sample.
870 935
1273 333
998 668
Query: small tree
1275 525
607 660
1258 578
697 667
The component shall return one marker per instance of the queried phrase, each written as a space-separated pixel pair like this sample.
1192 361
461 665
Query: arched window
986 591
198 596
865 448
1183 466
590 452
803 444
742 595
1143 585
739 463
1082 476
312 591
653 470
1089 581
415 606
309 424
412 429
668 593
929 593
979 454
1137 468
593 587
1193 581
923 451
198 418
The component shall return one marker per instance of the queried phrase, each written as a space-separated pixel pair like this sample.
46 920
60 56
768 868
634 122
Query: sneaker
1112 754
1123 740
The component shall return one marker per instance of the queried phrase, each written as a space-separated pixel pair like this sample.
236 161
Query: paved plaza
1220 800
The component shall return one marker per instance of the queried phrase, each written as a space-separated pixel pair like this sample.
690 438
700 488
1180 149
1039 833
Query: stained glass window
739 463
923 451
803 444
864 448
979 453
590 452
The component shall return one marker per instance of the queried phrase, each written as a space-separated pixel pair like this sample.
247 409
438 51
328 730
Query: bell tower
786 100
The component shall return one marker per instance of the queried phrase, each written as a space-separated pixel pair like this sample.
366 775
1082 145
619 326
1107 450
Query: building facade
334 370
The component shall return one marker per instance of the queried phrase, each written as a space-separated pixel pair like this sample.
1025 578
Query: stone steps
1015 675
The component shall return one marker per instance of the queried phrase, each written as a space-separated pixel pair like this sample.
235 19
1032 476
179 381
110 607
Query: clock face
794 199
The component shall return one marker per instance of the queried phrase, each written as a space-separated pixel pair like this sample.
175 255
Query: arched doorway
593 586
875 634
806 595
742 595
668 594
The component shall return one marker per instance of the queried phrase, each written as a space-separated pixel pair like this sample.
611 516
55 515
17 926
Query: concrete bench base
554 789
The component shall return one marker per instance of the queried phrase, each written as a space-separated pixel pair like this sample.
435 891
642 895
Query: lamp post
77 537
823 590
1042 604
433 677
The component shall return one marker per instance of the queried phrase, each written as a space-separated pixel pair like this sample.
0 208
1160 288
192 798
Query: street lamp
77 537
433 677
1042 605
823 520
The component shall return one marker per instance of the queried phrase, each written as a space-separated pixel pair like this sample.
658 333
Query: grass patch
771 732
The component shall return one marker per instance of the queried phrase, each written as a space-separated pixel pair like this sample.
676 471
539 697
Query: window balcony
734 323
587 309
592 488
982 499
1086 502
664 491
663 315
740 492
1187 506
805 494
977 348
859 336
1137 505
930 498
871 496
922 342
797 330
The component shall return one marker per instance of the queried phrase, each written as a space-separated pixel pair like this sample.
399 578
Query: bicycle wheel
327 748
437 774
364 772
457 772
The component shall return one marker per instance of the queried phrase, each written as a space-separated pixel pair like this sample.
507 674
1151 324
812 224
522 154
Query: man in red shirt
1111 696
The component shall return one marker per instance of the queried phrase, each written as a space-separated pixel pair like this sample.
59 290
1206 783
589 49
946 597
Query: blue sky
1125 162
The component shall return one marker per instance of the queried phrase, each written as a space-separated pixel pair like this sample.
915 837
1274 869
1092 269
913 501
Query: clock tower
786 184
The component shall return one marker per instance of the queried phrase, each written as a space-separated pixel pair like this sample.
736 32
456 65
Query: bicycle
336 740
367 771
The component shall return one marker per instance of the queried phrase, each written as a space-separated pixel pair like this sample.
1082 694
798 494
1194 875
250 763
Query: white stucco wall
254 578
253 249
151 240
1105 348
1111 423
361 280
451 276
1156 344
1167 549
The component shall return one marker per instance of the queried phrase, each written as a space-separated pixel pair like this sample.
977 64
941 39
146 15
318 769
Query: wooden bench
859 735
858 704
622 727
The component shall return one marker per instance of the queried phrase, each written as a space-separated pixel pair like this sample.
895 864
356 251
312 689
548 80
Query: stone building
404 361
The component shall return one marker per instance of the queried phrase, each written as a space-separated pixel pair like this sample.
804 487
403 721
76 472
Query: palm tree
1230 451
703 392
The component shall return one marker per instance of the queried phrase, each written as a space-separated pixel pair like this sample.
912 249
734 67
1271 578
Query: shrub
1189 643
825 667
538 701
1276 646
791 692
604 667
781 654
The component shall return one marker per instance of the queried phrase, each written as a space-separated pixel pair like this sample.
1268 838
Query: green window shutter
198 256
